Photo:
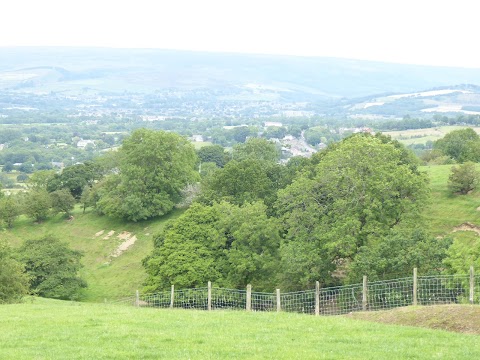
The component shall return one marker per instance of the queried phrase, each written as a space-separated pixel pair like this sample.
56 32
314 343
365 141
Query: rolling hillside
146 70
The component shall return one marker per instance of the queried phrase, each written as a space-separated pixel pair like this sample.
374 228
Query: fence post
249 298
137 298
472 285
317 298
172 296
364 293
209 296
415 284
279 306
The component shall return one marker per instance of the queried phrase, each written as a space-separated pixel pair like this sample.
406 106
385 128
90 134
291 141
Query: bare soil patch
456 318
99 233
110 233
467 227
128 240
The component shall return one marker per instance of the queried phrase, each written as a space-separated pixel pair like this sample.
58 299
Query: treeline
328 218
350 210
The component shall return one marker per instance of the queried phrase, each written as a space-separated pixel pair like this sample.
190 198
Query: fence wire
436 290
300 302
264 301
380 295
389 294
229 299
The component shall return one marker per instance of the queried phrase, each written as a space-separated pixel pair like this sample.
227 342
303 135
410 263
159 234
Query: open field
421 136
48 329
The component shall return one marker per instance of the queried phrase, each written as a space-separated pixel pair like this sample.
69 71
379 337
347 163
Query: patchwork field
421 136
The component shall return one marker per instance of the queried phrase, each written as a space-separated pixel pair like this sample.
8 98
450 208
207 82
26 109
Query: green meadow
49 329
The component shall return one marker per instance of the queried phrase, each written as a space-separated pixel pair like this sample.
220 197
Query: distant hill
147 70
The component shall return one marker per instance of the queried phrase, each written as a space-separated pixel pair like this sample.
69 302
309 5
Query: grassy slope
96 331
458 318
446 210
107 278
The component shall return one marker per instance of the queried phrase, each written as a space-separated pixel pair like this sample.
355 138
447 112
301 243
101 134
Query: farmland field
49 329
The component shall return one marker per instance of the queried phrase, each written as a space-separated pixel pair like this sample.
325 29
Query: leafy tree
359 190
397 254
87 198
461 145
224 243
53 268
37 204
8 167
9 210
62 201
213 153
13 279
22 177
241 133
463 178
207 169
153 169
40 179
239 182
74 178
258 149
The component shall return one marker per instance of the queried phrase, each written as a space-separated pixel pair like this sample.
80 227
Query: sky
441 33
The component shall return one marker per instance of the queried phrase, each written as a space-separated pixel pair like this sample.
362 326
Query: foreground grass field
47 329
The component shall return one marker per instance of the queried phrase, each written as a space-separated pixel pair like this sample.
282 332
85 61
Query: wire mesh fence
378 295
383 295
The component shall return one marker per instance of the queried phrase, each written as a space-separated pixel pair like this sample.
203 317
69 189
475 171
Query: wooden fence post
415 285
209 296
317 298
137 298
472 285
249 298
279 305
172 296
364 293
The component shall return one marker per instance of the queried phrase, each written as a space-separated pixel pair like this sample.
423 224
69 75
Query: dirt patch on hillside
456 318
99 233
110 233
467 227
128 240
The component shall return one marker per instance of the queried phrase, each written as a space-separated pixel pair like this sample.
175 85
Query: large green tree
53 268
37 204
359 190
461 145
258 149
397 254
154 167
75 178
213 153
224 243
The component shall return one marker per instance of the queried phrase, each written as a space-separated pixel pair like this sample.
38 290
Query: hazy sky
442 32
